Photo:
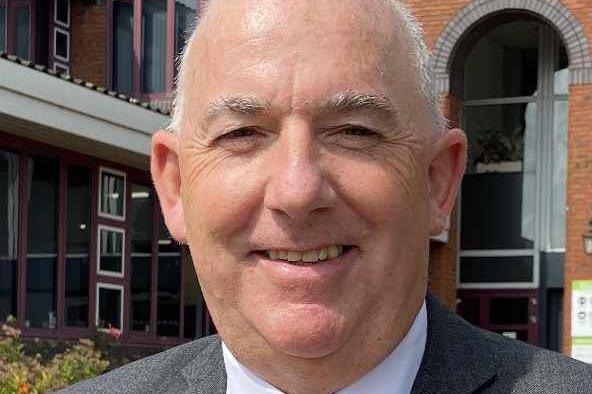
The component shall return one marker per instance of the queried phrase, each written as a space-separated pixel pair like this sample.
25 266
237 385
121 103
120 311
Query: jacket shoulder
523 368
161 372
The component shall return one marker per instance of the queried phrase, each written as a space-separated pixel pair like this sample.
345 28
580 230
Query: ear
445 174
164 166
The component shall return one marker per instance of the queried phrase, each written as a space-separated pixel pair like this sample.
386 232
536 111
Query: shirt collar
395 374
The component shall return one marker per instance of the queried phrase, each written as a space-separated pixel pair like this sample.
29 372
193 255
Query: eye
353 137
359 131
243 132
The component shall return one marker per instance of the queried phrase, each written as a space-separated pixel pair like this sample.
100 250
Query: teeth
310 256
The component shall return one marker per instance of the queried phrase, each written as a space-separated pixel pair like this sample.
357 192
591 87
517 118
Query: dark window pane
110 251
510 310
22 32
153 45
109 307
78 247
169 285
77 280
498 192
141 211
185 13
62 11
2 28
123 38
42 228
9 208
112 194
41 291
42 196
496 269
504 63
140 293
62 45
169 277
79 198
193 301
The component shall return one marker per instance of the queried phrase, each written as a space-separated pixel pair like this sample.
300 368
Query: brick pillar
443 256
579 197
88 40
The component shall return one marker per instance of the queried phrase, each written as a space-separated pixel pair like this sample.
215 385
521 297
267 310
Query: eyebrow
240 105
350 101
343 102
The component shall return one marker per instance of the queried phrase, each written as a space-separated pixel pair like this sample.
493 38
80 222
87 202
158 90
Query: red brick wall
579 197
88 42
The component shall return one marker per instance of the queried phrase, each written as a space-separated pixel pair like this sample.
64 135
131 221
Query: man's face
303 141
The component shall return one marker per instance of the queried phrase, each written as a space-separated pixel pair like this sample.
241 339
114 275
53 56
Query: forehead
305 50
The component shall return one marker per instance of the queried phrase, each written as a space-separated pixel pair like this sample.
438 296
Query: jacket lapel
456 359
206 373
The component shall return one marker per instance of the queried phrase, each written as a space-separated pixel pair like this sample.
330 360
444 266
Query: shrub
23 374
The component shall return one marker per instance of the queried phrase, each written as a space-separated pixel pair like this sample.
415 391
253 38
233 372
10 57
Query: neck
328 374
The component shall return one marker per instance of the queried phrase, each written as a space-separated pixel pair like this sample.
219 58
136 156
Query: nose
299 187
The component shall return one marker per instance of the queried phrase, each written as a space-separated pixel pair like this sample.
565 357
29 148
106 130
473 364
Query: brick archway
567 25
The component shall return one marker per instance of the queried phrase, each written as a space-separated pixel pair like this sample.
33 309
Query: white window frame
55 40
111 273
116 173
55 14
541 243
62 66
110 286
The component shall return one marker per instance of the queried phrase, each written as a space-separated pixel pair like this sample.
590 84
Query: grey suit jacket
459 358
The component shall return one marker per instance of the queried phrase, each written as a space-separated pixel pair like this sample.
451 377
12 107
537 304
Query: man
306 168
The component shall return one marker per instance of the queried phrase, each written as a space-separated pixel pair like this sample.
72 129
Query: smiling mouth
306 257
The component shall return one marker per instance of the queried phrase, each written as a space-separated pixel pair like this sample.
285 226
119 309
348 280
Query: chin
310 331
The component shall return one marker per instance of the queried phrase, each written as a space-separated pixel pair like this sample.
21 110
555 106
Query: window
9 214
3 26
514 87
62 12
42 234
153 46
109 308
61 44
78 246
23 26
169 283
112 194
123 38
155 71
16 21
111 253
141 256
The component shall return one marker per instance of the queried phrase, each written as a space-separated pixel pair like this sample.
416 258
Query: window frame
115 172
55 14
57 30
115 274
137 80
548 47
110 286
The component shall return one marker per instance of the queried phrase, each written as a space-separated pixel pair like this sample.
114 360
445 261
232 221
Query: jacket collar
456 359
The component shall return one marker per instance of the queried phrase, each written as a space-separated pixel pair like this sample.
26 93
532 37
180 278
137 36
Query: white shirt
395 374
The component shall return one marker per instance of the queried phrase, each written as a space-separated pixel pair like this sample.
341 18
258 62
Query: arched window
511 74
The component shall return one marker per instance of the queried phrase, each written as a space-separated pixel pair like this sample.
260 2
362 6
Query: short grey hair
420 55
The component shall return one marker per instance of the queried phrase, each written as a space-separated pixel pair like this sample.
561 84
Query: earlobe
445 174
166 175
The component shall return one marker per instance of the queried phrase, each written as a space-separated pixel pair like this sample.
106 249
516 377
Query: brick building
74 143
